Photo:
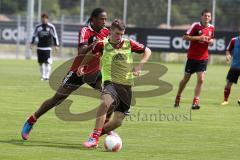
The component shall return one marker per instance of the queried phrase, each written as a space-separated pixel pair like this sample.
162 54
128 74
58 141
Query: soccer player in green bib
117 78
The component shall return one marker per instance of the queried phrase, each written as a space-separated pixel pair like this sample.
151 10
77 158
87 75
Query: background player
95 30
200 35
46 34
233 52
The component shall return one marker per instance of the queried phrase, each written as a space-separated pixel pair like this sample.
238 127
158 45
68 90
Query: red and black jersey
231 44
135 47
86 36
199 50
46 34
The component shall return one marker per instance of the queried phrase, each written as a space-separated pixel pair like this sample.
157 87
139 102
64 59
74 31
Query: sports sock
47 70
195 100
103 130
226 93
97 132
32 119
41 67
178 97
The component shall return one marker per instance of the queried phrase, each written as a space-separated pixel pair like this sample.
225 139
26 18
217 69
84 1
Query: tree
51 7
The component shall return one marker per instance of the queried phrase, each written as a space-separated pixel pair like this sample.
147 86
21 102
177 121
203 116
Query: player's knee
107 102
105 105
200 81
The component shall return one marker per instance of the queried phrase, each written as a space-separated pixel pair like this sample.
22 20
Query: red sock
103 131
195 100
97 132
32 119
178 97
226 93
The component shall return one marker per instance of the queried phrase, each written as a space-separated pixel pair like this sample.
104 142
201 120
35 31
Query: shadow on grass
34 143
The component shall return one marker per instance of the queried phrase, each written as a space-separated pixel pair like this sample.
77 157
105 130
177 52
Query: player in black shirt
47 35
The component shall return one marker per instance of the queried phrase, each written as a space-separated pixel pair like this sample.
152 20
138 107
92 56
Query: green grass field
212 133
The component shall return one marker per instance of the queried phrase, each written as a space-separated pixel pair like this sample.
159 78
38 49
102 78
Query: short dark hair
95 13
44 15
117 23
205 11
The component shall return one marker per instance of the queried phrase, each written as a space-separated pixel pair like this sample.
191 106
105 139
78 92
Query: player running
88 37
200 35
117 78
233 52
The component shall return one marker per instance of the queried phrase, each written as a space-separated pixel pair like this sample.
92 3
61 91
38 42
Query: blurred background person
47 35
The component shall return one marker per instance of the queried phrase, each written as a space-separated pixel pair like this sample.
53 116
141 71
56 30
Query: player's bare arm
31 45
145 58
84 49
89 56
202 38
228 56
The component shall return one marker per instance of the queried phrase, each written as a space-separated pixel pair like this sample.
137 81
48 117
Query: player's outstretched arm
89 56
145 58
84 49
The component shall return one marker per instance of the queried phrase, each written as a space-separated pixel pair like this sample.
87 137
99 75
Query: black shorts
72 80
233 75
44 56
122 95
193 66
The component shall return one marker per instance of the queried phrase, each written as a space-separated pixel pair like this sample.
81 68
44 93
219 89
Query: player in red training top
88 37
200 35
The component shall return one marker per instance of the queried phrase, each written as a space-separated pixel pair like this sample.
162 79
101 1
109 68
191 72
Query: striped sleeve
192 29
35 33
231 45
83 36
54 34
213 31
137 47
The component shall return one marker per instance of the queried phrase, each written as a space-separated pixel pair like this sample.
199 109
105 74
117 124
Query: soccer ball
113 143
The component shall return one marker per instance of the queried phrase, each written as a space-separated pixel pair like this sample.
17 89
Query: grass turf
155 130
